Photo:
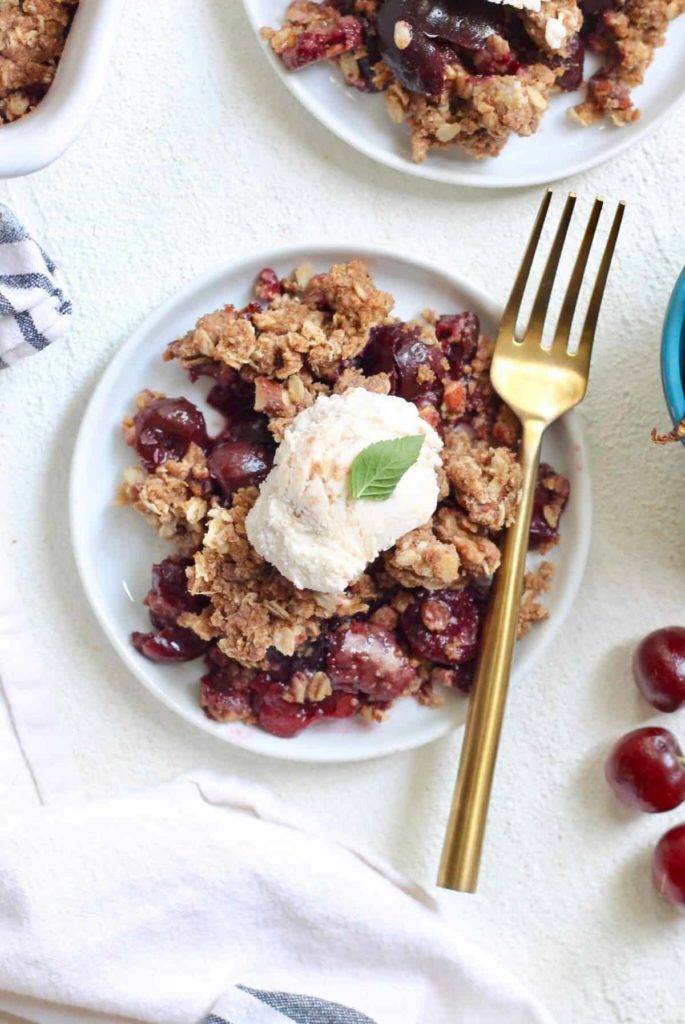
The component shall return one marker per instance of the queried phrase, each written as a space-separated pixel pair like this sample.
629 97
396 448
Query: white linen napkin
34 307
204 896
204 899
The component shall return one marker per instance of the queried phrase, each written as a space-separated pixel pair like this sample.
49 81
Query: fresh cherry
659 668
366 658
668 866
646 770
237 464
165 428
444 625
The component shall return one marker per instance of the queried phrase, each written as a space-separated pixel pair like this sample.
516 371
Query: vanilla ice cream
304 521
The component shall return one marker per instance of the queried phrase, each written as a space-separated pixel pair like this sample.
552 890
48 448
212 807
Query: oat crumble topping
32 38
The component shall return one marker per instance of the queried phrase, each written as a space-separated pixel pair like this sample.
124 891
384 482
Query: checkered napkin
34 307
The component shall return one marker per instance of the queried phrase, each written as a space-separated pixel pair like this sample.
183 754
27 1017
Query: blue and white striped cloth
34 307
243 1005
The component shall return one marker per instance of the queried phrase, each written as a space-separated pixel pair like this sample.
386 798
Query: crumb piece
174 499
677 434
534 584
309 686
479 555
420 559
486 482
350 378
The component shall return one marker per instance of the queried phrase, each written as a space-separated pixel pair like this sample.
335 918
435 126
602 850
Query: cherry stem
682 761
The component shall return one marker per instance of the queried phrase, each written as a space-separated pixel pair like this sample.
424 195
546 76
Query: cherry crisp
286 658
473 72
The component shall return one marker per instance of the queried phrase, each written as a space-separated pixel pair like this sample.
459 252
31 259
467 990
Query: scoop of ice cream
304 521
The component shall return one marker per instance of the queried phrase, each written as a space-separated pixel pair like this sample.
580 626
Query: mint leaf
377 470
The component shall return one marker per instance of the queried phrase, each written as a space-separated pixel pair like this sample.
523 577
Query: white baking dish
42 136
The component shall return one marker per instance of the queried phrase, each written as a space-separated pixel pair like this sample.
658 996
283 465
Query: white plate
560 148
115 548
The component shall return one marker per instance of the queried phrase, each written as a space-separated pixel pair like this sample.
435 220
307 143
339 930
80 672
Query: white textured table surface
195 155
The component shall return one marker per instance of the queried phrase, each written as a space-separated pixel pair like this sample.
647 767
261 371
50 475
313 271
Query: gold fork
539 385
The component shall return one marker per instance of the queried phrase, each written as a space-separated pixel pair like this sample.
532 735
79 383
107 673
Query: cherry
444 625
236 464
365 657
169 597
573 64
276 715
310 47
267 286
165 428
223 704
169 644
436 26
659 668
249 426
458 334
668 866
339 705
646 770
231 395
597 6
401 352
552 491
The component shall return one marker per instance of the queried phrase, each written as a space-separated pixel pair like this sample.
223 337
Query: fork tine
538 315
565 321
507 329
588 334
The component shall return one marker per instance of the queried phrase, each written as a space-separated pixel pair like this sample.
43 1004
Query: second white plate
115 548
560 148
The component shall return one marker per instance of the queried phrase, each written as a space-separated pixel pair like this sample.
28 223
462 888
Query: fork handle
463 844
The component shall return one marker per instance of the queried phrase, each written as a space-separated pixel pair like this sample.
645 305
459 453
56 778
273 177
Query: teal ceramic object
673 352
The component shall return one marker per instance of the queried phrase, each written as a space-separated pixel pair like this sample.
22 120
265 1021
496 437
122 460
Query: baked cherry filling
167 600
405 636
444 626
367 658
551 495
341 35
165 428
415 368
236 464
